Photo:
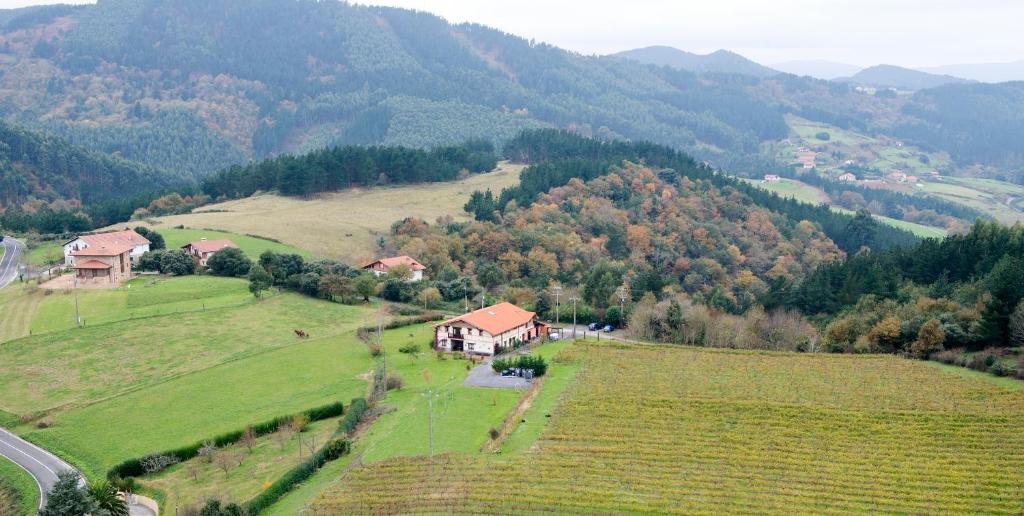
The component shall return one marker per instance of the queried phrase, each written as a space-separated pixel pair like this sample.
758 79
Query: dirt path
513 419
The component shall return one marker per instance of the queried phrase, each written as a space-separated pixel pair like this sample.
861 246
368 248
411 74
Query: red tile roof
210 246
113 237
397 260
111 249
495 319
91 264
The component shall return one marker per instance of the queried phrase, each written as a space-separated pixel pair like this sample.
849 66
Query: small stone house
201 250
488 331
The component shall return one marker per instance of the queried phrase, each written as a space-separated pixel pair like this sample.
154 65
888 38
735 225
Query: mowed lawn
77 366
141 297
21 486
343 225
678 430
18 304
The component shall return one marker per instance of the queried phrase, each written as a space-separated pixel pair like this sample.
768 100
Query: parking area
483 376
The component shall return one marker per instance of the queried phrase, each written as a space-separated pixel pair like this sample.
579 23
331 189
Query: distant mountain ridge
817 68
984 72
720 61
902 78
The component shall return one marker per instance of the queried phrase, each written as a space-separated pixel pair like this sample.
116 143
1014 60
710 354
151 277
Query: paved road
10 260
42 465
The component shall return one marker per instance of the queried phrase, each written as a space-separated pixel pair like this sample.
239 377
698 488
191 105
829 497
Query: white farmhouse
115 239
488 330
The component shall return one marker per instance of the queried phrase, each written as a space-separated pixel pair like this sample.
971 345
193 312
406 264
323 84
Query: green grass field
794 189
50 370
141 297
998 199
19 493
252 246
18 303
677 430
45 252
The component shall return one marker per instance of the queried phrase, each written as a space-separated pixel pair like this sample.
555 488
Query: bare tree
207 451
248 438
311 444
193 469
224 461
283 434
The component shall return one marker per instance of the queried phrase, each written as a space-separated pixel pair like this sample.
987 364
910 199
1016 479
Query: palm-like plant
107 498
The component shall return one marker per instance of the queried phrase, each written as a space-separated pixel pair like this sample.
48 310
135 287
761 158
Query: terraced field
676 430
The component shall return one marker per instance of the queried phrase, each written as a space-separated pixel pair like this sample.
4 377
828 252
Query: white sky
862 32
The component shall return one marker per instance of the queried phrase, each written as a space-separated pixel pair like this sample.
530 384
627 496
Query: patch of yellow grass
18 305
343 225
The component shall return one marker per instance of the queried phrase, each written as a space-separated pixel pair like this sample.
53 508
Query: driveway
483 376
10 260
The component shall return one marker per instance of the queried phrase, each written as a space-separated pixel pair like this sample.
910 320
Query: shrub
409 349
493 433
1001 369
395 382
356 408
177 263
537 363
229 262
331 451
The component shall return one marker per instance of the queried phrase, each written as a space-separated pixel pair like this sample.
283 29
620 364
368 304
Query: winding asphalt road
42 465
10 260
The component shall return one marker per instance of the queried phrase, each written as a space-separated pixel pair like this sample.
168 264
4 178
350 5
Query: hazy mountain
818 69
901 78
718 61
199 85
984 72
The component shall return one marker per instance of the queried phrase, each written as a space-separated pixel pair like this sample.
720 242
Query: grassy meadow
19 493
343 225
18 303
671 429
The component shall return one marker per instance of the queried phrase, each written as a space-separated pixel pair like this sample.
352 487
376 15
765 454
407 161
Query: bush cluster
136 467
537 363
356 408
986 361
331 451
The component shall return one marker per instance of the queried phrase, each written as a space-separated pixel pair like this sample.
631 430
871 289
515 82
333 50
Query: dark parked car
608 328
594 326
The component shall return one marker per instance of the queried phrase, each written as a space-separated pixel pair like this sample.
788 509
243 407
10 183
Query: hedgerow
134 467
331 451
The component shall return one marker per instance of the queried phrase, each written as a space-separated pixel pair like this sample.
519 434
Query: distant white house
848 177
771 178
128 238
382 266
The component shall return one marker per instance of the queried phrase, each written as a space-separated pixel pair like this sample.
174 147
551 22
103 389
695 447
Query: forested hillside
200 85
37 171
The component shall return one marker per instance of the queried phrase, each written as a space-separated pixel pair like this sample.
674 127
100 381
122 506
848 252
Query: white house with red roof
382 266
488 331
203 249
137 243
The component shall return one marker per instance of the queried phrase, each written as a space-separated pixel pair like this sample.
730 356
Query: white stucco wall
481 341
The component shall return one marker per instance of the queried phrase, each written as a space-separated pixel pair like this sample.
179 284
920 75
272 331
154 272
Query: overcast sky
861 32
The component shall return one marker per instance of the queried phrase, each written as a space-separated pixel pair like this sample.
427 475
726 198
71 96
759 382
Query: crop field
678 430
19 493
343 225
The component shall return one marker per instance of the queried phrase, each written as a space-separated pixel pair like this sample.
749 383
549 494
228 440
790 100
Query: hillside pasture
680 430
342 225
997 199
77 366
18 304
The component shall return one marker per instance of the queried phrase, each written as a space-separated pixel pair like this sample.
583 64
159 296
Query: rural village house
138 243
383 265
771 178
203 249
848 177
103 262
488 330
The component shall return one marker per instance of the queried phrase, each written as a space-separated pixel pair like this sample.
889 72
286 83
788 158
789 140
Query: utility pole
574 299
78 315
623 291
558 291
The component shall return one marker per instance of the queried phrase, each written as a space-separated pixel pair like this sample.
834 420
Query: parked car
608 328
594 326
553 335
